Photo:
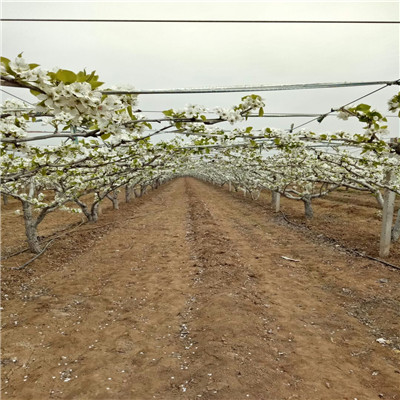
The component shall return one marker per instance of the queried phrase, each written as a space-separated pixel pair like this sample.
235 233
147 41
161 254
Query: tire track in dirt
321 351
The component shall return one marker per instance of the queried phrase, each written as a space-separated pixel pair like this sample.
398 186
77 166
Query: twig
98 227
34 258
26 249
51 241
377 259
351 251
14 254
47 245
291 222
289 259
66 231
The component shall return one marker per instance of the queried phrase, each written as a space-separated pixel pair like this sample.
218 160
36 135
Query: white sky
150 56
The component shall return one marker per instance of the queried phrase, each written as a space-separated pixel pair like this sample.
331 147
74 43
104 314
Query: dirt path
188 296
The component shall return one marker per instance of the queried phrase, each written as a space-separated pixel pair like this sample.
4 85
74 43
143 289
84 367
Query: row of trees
105 145
302 175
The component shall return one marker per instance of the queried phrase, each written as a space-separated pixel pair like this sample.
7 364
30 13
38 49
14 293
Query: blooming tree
104 144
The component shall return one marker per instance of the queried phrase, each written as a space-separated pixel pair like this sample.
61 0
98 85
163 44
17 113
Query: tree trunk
5 199
94 214
379 199
143 189
308 211
396 228
31 228
255 194
115 202
128 193
84 209
275 201
114 199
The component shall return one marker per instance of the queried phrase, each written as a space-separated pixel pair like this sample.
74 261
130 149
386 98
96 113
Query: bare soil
192 292
346 218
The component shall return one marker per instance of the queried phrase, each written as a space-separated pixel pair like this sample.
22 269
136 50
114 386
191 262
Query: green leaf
65 76
81 76
91 77
168 113
363 107
35 92
52 75
129 109
105 136
261 112
6 62
33 66
249 129
95 84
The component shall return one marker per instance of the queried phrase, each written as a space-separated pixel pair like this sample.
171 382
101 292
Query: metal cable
321 117
251 88
202 21
19 98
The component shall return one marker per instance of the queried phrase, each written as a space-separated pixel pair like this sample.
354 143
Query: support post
389 198
276 201
387 219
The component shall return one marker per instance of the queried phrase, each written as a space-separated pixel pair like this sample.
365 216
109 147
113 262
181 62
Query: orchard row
105 144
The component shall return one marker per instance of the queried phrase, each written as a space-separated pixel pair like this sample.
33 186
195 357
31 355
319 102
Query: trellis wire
322 116
202 21
19 98
252 88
